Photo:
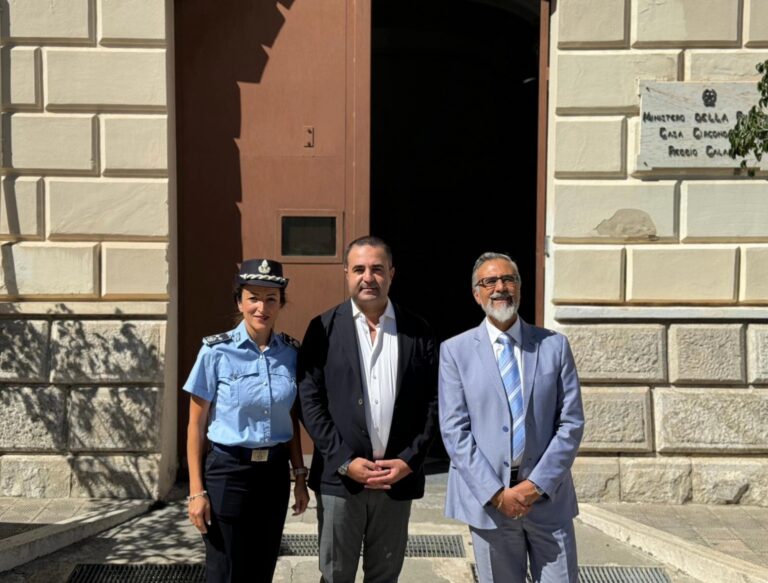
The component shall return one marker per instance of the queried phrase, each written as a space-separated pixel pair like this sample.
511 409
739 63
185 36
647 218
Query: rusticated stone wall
86 376
660 280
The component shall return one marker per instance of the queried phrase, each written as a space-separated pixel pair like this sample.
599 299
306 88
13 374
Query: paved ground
164 536
739 531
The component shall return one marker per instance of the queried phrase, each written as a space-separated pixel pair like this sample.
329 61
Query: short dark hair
371 241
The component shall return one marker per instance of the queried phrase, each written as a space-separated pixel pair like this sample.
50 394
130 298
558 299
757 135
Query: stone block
756 19
48 20
723 211
117 418
24 351
655 480
108 351
593 24
682 274
103 209
624 352
711 420
133 144
21 77
753 281
757 350
21 208
590 147
618 419
728 66
39 476
596 479
134 270
589 275
607 81
730 481
50 142
597 212
33 418
116 79
45 270
686 23
105 476
706 353
132 21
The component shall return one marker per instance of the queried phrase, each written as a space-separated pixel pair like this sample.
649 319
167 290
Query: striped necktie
510 375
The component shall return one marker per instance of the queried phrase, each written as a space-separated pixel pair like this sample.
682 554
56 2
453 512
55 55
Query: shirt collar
389 311
515 332
240 336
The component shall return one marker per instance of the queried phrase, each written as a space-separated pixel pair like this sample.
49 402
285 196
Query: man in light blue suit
511 419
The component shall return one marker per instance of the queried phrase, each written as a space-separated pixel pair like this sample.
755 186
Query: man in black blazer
368 394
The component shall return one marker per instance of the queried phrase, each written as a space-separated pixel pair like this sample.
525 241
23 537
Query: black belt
513 475
247 454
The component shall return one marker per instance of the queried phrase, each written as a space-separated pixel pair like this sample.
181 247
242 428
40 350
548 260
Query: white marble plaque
685 125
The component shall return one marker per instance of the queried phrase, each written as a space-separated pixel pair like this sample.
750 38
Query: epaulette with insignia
290 340
216 338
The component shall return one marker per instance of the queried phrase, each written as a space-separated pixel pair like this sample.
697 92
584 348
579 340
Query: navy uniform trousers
249 501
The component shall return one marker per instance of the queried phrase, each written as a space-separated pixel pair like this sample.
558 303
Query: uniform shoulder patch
216 338
290 340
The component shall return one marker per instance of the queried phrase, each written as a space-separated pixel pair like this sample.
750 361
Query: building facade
659 277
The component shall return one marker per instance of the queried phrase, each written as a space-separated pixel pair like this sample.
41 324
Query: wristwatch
539 491
344 468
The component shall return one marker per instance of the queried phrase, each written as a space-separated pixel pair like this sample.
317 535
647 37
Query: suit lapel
530 360
404 348
488 359
349 341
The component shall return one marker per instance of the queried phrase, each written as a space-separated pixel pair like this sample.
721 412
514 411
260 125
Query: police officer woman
243 395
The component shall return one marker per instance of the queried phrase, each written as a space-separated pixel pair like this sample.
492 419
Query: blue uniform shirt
251 392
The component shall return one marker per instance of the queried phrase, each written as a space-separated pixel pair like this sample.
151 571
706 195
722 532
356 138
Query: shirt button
266 411
506 464
377 401
359 401
505 428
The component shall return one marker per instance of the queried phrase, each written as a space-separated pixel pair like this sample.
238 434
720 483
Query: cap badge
264 268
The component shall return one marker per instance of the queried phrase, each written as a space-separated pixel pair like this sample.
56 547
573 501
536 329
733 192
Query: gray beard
505 314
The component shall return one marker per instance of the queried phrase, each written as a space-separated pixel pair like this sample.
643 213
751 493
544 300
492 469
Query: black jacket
331 393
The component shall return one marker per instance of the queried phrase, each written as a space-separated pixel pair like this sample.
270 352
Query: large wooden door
272 141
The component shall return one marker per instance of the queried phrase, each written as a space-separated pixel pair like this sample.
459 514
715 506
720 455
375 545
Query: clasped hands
517 501
379 474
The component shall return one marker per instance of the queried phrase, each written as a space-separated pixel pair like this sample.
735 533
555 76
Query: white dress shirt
516 333
378 361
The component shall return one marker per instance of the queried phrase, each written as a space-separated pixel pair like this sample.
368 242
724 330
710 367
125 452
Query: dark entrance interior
453 149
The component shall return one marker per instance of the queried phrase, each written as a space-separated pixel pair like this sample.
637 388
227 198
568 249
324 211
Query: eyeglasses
507 280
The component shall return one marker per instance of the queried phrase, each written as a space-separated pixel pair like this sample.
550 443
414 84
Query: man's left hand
398 470
525 493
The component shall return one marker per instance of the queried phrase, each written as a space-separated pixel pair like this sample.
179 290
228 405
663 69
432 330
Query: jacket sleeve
416 452
456 429
314 397
558 457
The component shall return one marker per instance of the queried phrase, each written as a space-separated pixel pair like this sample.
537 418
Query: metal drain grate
592 574
298 545
419 545
435 545
176 573
622 575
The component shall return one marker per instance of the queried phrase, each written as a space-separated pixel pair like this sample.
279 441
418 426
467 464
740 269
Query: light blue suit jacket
475 423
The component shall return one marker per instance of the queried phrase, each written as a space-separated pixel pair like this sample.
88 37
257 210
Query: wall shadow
51 390
218 45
